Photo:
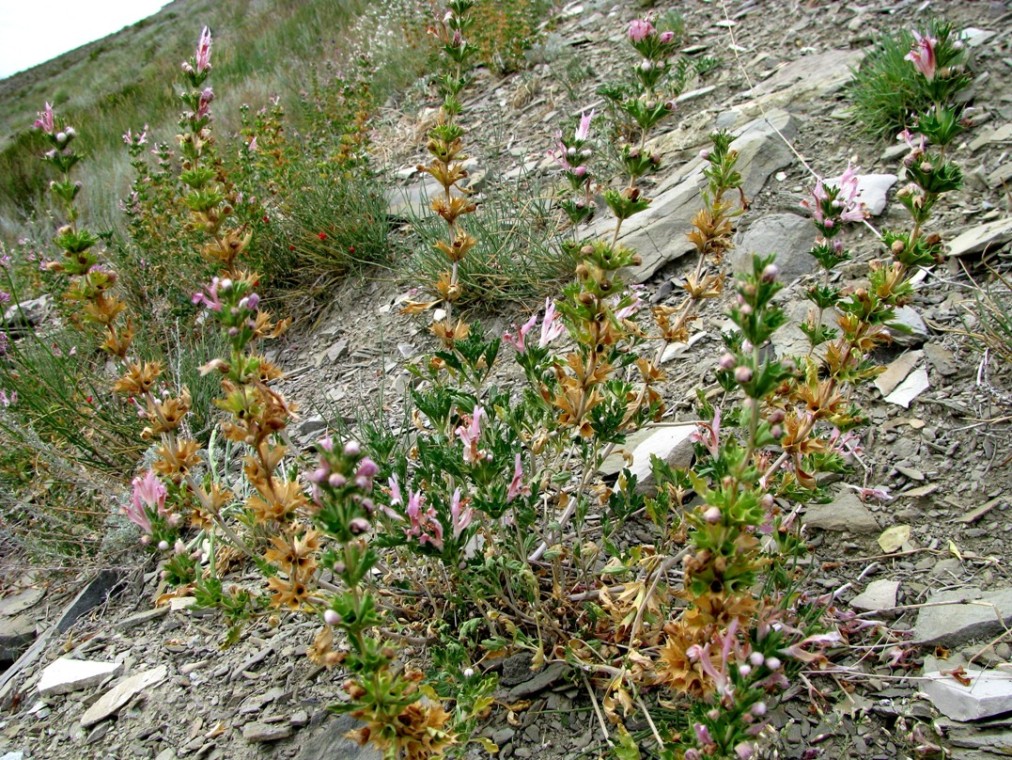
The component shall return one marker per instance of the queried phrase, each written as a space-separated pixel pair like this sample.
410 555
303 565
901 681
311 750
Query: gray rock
16 635
810 75
113 700
845 513
668 442
963 616
311 426
913 333
989 693
30 313
140 618
18 755
941 359
659 233
266 732
17 603
789 236
328 742
1002 134
983 238
877 597
65 675
414 200
538 682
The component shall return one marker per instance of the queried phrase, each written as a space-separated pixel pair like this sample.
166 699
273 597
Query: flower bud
745 309
468 672
767 500
744 670
743 374
367 468
666 37
756 658
352 449
337 480
777 416
358 526
145 540
163 545
705 154
712 515
773 663
770 273
776 431
759 709
727 361
330 617
646 66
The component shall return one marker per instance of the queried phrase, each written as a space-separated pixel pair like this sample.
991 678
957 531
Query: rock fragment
65 675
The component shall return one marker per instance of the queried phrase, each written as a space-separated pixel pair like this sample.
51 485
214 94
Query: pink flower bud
666 37
767 500
330 617
163 545
712 515
756 658
352 449
727 361
770 273
743 374
773 663
337 480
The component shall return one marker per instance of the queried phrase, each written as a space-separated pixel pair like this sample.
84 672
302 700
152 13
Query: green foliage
504 30
886 91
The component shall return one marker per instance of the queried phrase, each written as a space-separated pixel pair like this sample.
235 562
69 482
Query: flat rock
872 190
789 236
18 603
913 386
65 675
910 330
877 597
266 732
988 694
16 635
114 699
1002 134
941 359
311 426
667 442
810 75
538 682
972 614
30 313
897 372
328 742
982 238
413 201
140 618
845 513
659 233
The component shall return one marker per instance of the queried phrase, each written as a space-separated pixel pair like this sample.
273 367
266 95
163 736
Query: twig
597 710
653 728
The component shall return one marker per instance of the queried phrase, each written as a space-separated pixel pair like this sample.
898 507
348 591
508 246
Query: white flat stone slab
66 675
114 699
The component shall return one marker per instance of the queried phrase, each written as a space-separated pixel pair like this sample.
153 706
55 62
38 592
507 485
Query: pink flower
922 55
209 297
470 435
551 328
848 197
666 37
204 104
203 56
583 131
798 651
517 486
640 29
880 494
148 499
460 516
519 341
252 145
45 122
708 434
425 525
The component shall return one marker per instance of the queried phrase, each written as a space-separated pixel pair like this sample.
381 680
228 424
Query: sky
34 31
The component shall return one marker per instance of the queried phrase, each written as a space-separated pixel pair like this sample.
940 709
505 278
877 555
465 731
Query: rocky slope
929 567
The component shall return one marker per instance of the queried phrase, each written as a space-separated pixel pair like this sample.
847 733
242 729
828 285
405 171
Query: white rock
180 603
974 37
114 699
914 330
66 675
667 442
915 384
878 596
897 372
989 693
871 190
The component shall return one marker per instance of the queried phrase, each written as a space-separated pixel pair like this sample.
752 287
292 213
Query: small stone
16 635
915 384
114 699
311 426
17 603
180 603
66 675
670 443
982 238
141 617
299 718
897 372
872 190
953 618
910 330
988 694
30 313
845 513
538 682
266 732
879 596
941 359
